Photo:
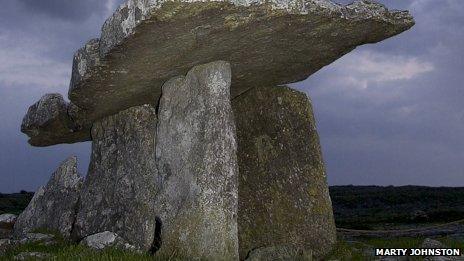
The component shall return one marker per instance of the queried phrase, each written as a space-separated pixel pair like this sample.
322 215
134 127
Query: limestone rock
147 42
431 243
279 253
283 192
196 157
106 239
7 221
119 190
53 207
47 123
44 239
32 256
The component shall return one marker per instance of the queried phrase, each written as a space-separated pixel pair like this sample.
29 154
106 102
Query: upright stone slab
119 191
283 192
196 154
53 207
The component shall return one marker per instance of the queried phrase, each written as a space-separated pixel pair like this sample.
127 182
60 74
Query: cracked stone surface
196 157
53 207
120 187
47 122
283 192
147 42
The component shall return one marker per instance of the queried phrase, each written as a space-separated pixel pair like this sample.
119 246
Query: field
366 208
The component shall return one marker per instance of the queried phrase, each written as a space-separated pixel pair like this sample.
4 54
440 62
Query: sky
391 113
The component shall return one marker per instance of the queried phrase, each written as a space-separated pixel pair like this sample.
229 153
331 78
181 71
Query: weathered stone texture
119 191
279 253
283 192
106 239
146 42
196 155
47 123
53 207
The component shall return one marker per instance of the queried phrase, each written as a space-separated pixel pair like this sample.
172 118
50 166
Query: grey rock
7 221
84 59
45 239
279 253
120 187
283 192
32 256
106 239
6 244
147 42
196 157
431 243
53 207
47 123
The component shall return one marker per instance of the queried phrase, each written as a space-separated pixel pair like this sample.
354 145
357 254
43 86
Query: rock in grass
53 207
120 187
7 221
279 253
283 192
44 239
33 256
106 239
196 157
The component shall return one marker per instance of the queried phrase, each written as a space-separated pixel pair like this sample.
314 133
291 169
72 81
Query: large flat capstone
283 193
120 188
53 207
196 155
147 42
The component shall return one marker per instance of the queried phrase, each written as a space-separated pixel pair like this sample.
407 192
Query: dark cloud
389 113
66 10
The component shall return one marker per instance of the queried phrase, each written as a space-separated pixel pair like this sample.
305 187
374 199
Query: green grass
343 250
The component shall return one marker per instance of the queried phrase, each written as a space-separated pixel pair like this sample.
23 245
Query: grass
343 250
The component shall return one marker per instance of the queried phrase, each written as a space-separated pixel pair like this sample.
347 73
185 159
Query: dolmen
199 149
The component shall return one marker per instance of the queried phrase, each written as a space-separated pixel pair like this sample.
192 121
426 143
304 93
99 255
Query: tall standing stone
196 154
119 191
53 207
283 192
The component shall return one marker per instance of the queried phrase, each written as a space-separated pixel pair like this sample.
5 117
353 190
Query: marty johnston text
418 252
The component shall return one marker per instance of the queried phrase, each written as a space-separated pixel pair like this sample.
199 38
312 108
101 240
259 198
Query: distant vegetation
367 207
356 207
14 203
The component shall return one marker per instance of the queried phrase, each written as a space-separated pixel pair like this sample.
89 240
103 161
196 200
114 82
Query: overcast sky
388 114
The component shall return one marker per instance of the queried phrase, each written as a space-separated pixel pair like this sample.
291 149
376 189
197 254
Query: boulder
33 256
44 239
47 122
7 221
196 158
53 207
283 192
279 253
120 188
106 239
146 42
432 243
